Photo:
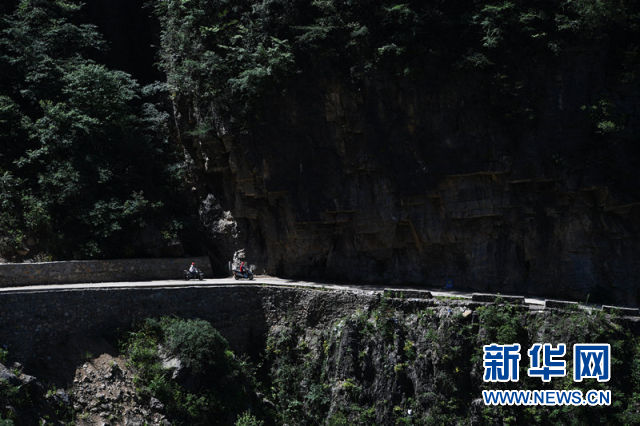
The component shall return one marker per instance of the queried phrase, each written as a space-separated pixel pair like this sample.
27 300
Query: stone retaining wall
58 329
37 327
87 271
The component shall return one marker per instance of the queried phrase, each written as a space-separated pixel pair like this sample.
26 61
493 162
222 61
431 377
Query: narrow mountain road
534 303
259 280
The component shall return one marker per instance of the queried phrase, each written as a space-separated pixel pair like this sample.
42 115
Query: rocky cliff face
404 361
104 392
328 357
493 147
403 185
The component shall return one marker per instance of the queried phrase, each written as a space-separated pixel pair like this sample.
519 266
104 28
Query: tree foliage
83 151
225 58
212 385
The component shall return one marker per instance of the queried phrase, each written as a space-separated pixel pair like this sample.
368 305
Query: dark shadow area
131 33
7 6
58 366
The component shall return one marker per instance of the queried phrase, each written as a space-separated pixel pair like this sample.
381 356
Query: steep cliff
302 356
492 147
398 361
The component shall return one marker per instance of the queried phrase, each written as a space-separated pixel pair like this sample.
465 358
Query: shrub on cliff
199 346
188 366
248 419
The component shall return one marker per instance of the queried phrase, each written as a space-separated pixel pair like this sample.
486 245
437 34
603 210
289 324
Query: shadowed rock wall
340 190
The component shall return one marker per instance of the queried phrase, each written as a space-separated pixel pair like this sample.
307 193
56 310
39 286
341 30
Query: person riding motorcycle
242 272
193 271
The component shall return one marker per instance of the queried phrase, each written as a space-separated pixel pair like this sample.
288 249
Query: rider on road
193 269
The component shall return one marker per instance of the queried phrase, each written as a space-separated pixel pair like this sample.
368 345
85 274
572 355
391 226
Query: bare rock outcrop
104 393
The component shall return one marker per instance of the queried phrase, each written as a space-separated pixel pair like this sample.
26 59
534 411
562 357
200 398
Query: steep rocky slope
328 357
104 392
399 361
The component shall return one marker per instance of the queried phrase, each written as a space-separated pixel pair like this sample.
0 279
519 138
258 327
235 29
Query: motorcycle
247 273
188 275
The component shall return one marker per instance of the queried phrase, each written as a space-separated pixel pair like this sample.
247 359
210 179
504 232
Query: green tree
213 386
85 152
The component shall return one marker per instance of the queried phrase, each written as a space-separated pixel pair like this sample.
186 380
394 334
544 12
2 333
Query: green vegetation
85 165
432 360
212 385
336 376
248 419
388 365
87 171
502 324
10 395
24 402
234 56
295 376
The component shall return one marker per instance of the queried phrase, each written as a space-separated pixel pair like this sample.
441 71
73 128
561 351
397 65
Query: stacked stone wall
38 325
87 271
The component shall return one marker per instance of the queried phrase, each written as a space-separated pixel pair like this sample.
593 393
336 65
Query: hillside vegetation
86 166
227 57
396 362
